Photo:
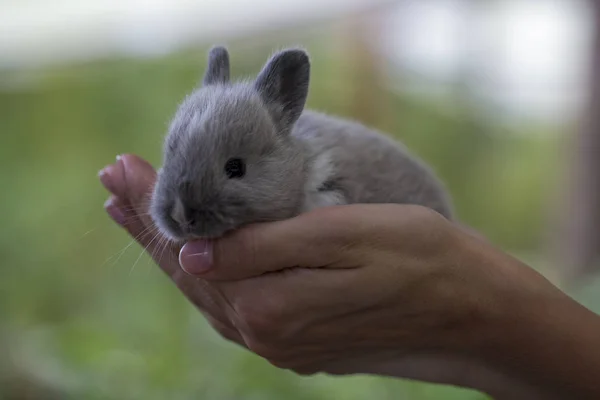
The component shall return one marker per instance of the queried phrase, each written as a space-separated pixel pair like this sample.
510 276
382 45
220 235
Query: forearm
537 342
551 343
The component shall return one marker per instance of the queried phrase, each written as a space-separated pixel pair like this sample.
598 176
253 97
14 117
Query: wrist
537 335
510 307
550 342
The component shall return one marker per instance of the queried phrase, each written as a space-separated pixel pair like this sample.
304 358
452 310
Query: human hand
376 289
367 289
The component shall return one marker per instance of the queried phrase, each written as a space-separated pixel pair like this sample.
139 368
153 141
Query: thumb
318 239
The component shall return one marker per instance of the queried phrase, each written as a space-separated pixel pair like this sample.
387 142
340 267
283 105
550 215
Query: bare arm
387 290
552 342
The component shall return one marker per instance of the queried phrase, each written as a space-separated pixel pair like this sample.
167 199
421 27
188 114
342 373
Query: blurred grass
77 321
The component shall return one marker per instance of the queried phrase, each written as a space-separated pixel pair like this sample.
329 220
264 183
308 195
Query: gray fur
283 86
297 159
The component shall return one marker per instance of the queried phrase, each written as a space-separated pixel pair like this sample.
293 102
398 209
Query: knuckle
427 215
259 326
265 316
431 227
261 319
430 215
341 224
247 243
240 248
432 219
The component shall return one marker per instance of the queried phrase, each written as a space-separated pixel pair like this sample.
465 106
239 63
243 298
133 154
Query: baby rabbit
246 152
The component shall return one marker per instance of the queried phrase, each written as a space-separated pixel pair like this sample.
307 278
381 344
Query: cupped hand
362 289
390 290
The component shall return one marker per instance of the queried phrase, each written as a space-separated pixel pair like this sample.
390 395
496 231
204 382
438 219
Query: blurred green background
78 322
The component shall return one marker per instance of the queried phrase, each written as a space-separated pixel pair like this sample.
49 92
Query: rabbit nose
187 217
182 214
191 217
178 212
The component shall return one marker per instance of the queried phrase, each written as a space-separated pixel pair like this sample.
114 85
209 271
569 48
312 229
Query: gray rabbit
246 152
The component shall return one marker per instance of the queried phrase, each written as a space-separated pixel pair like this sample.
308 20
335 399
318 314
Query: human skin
392 290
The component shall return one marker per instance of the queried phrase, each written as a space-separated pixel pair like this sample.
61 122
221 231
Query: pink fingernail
195 258
105 176
115 213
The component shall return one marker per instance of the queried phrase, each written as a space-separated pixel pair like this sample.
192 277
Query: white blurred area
528 58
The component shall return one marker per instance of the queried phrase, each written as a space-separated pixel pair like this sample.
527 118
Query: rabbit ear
283 84
217 70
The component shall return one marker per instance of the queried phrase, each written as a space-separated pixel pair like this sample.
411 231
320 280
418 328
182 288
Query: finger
109 177
329 237
120 213
272 298
123 205
318 239
131 179
115 211
139 178
160 249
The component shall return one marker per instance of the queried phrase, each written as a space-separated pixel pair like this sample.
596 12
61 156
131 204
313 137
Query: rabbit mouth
183 235
204 229
211 230
207 236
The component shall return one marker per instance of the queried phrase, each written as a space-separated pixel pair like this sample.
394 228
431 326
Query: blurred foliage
86 316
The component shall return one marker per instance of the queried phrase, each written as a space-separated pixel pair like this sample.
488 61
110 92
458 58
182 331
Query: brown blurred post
365 65
578 240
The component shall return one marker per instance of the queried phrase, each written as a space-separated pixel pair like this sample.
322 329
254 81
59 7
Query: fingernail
106 178
195 258
118 157
115 213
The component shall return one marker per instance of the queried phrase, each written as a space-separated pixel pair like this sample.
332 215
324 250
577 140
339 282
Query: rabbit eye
235 168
